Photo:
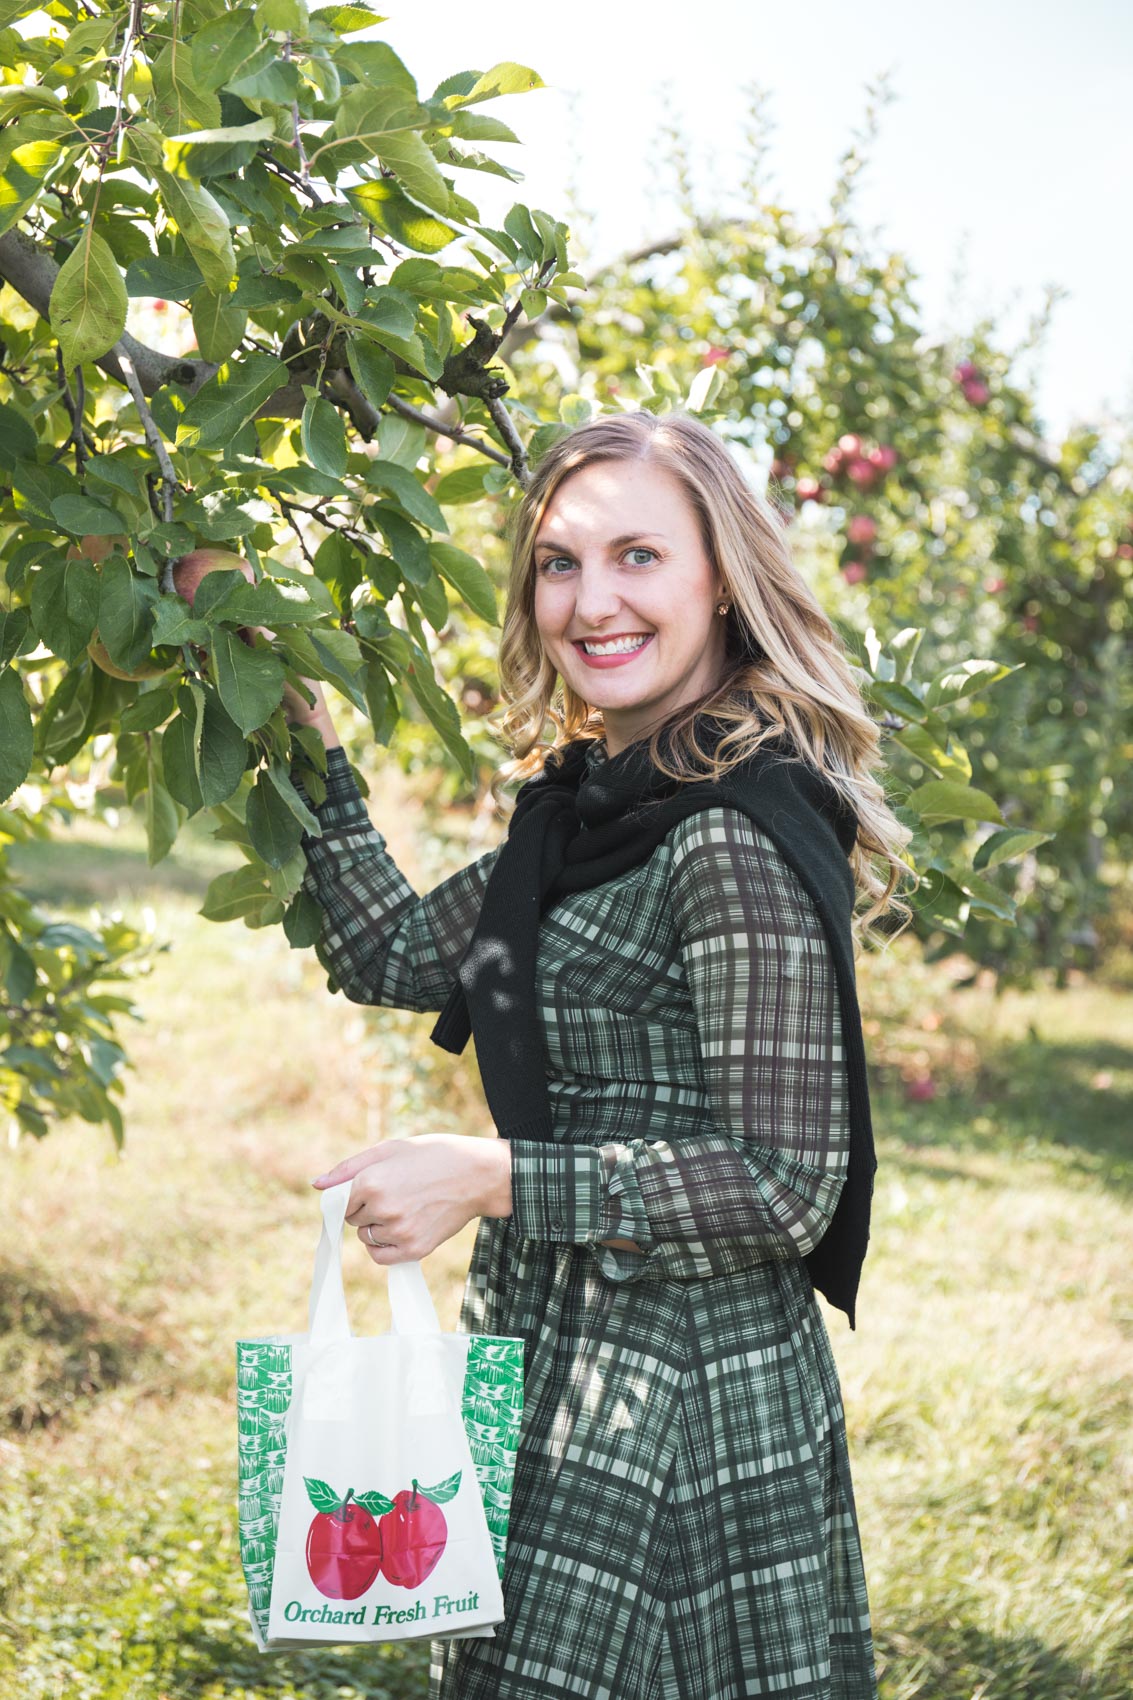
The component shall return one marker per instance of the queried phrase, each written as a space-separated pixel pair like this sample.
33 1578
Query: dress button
557 1224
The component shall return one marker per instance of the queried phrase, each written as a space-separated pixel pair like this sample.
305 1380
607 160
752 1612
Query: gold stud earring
722 607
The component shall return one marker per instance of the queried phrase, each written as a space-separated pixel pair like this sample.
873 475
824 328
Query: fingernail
319 1179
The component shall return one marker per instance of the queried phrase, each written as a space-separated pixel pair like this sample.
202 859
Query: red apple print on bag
413 1532
344 1542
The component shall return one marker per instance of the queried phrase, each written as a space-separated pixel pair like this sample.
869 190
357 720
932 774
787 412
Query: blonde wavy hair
785 672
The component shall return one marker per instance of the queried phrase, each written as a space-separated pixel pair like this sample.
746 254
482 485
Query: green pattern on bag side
492 1408
263 1395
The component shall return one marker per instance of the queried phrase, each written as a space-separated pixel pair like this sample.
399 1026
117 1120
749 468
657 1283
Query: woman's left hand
416 1193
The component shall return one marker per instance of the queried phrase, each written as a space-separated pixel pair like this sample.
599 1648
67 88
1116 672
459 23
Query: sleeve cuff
344 807
560 1193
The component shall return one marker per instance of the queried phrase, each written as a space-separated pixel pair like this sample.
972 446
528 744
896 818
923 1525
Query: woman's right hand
299 711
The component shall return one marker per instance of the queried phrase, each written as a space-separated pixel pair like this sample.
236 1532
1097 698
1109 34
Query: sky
1003 164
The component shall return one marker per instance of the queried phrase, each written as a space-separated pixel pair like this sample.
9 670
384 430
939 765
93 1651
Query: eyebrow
615 542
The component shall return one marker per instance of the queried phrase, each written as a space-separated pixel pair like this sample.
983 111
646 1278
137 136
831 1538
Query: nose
596 596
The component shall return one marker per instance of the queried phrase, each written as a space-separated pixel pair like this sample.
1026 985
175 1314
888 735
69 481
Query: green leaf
14 627
704 389
226 403
240 892
125 613
174 624
171 277
203 224
162 821
384 205
1006 846
376 63
504 78
405 544
179 747
223 752
179 101
266 76
82 516
284 17
964 681
444 1491
250 681
408 491
265 604
22 177
467 578
323 436
372 370
18 440
218 151
406 153
17 736
942 800
64 605
281 779
322 1497
432 600
302 926
88 301
440 709
946 759
466 484
903 647
148 711
273 828
218 325
221 47
381 703
367 117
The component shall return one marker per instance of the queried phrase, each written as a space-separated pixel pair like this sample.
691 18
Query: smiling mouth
628 645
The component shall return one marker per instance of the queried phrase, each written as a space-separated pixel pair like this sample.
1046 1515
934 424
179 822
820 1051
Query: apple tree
924 499
272 201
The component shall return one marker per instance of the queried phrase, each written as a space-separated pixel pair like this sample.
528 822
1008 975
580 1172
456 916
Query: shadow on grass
953 1660
55 1355
61 872
1074 1098
397 1671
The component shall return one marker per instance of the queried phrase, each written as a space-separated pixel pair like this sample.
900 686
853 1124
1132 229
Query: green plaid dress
683 1523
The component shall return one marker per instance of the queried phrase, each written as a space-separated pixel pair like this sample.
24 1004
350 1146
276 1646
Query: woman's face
619 556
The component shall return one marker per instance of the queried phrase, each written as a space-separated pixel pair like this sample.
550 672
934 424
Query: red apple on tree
862 530
414 1532
191 569
808 490
884 457
344 1542
854 571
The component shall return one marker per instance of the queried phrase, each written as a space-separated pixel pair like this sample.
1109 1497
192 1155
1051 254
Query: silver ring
378 1245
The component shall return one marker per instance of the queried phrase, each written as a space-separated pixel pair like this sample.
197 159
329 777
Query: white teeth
619 646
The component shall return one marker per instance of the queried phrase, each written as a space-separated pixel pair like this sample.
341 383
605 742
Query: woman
657 966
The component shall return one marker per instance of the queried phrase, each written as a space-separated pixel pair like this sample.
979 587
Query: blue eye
550 562
640 549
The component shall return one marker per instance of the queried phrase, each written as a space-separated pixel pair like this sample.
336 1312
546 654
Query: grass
987 1385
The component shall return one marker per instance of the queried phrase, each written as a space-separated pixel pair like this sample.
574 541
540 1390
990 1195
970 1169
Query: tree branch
28 267
454 432
153 435
505 425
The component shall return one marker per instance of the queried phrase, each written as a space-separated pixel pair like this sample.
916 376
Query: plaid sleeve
764 1183
380 942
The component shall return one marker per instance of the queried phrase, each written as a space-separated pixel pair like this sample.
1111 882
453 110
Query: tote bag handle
411 1305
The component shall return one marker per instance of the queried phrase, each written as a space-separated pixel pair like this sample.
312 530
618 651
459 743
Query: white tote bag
369 1519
